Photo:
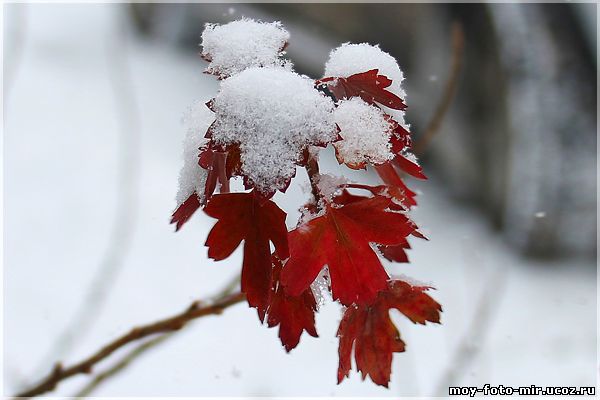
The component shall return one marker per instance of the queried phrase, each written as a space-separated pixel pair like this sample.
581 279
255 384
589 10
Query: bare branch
100 378
171 324
122 364
458 44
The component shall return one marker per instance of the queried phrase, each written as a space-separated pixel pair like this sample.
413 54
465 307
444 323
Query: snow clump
242 44
365 133
273 114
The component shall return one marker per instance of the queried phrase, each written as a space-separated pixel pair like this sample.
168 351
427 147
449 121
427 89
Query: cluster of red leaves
346 234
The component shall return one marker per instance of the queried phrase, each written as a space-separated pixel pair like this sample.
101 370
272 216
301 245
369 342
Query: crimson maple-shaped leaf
293 314
256 221
341 240
407 163
369 86
374 335
401 203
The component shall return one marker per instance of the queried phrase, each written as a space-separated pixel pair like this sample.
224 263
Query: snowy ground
64 126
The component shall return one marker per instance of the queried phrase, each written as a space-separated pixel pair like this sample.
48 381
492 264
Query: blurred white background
92 151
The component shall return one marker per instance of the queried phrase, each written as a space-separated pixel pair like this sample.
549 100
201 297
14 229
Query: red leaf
401 200
375 336
341 239
396 253
409 166
292 314
369 86
388 175
401 145
185 211
244 216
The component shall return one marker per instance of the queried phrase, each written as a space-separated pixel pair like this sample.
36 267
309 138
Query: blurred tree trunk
549 202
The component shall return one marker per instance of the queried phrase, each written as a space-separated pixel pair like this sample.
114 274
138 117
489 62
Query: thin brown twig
101 377
122 364
458 45
171 324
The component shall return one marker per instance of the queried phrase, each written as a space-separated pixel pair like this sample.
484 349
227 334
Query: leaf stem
312 168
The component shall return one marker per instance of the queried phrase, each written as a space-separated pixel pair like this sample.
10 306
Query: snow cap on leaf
365 134
351 58
241 44
273 114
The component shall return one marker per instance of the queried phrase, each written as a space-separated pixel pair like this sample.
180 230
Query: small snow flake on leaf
341 240
256 221
401 144
400 139
293 314
390 176
374 335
